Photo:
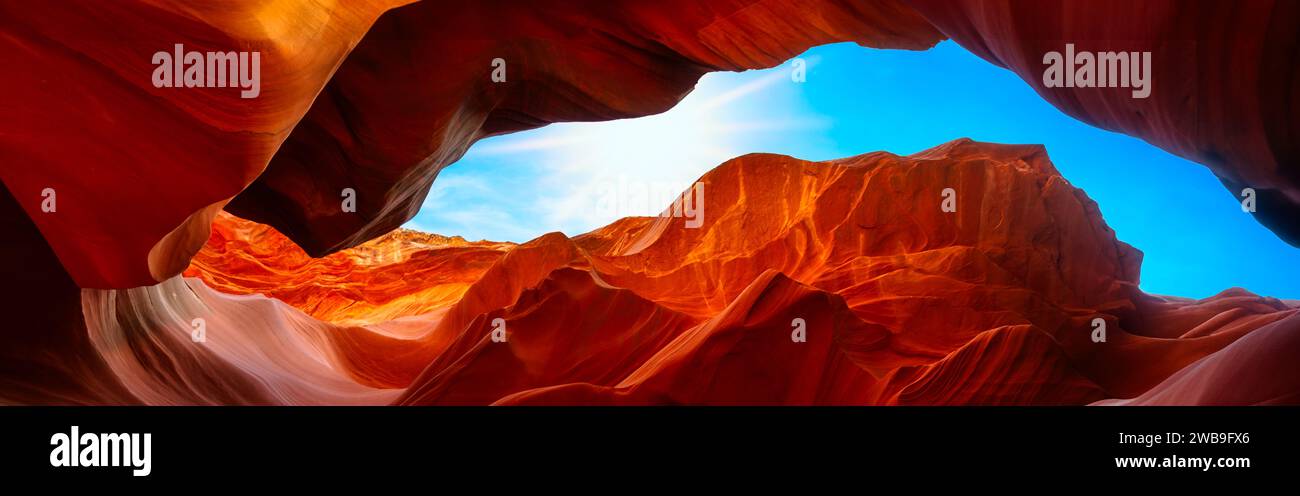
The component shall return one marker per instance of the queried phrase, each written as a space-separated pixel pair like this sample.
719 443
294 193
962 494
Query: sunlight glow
857 100
595 173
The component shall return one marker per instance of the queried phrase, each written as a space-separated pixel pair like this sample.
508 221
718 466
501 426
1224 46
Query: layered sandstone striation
902 303
139 171
899 302
401 273
1225 81
377 96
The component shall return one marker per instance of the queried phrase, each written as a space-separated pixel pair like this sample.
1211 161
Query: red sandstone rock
401 273
46 357
900 302
139 171
991 304
1224 84
382 108
417 92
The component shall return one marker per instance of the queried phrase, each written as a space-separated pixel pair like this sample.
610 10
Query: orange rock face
841 282
82 89
1223 79
399 274
377 96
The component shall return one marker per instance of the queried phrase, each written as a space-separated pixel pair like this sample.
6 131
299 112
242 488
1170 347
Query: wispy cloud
575 177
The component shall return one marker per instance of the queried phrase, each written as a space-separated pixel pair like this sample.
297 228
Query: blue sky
855 100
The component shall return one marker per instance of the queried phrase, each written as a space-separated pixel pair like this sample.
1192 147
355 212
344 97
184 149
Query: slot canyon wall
180 205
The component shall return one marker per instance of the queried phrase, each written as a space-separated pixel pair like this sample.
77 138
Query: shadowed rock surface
900 303
378 96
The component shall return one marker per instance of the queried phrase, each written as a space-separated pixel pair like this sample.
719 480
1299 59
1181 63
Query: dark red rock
898 302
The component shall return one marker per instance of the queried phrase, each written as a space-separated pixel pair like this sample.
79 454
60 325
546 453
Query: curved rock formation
247 350
418 90
139 171
374 104
113 182
990 304
46 356
622 59
1225 79
401 273
840 282
1255 369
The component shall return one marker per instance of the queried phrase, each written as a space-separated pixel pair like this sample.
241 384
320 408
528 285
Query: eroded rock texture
1225 79
378 97
139 171
902 303
899 301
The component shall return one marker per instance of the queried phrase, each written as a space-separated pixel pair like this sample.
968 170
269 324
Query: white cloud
575 177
